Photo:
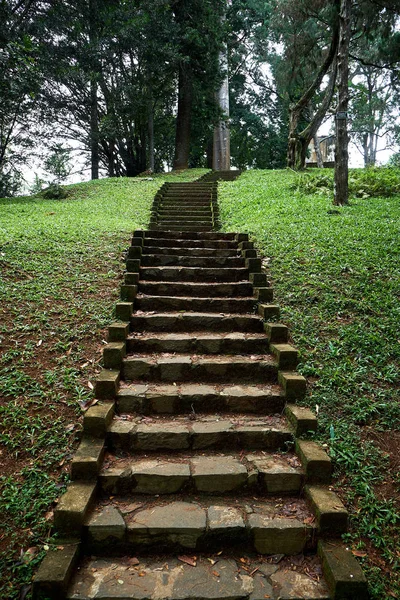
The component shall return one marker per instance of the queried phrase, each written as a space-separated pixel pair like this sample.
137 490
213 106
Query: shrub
363 183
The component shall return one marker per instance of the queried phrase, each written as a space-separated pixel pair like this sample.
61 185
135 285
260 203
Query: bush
54 192
363 183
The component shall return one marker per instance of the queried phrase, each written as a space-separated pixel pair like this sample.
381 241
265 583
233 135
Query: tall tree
341 187
20 81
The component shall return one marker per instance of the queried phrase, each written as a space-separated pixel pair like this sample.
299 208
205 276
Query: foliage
336 276
10 182
58 164
19 83
363 183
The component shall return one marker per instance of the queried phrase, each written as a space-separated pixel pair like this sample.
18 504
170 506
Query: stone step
194 204
184 195
200 343
180 433
180 228
182 222
212 577
179 321
189 235
199 399
160 260
268 526
189 215
167 216
199 290
196 209
176 273
209 368
185 243
178 303
206 252
217 473
187 225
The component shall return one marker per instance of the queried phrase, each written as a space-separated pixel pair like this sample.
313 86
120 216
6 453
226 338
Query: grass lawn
335 274
336 277
61 264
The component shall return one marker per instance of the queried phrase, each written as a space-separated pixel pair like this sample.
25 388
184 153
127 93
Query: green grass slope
61 263
336 277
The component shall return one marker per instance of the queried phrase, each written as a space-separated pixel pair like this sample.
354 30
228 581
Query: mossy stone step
200 343
199 290
268 527
189 215
214 577
184 243
173 235
205 432
178 303
180 228
155 260
174 273
197 399
205 252
205 474
192 321
184 367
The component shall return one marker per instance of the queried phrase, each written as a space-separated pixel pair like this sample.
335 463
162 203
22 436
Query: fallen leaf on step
133 561
359 553
188 560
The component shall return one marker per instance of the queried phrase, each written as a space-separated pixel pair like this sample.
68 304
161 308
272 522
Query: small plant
37 185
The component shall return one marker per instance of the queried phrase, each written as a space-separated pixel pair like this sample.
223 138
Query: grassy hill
335 274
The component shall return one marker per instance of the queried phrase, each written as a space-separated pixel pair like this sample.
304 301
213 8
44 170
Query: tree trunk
94 68
221 145
151 162
295 144
94 130
318 153
182 139
341 187
209 152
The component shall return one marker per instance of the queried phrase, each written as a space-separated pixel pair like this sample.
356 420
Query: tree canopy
132 86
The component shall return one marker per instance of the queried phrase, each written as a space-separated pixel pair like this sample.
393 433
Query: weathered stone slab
331 513
342 572
159 477
121 433
224 518
301 418
72 507
220 582
180 523
206 434
87 459
315 461
106 524
277 536
218 473
53 575
297 586
277 476
97 418
162 436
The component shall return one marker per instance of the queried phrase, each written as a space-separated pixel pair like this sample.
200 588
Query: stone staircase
192 480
